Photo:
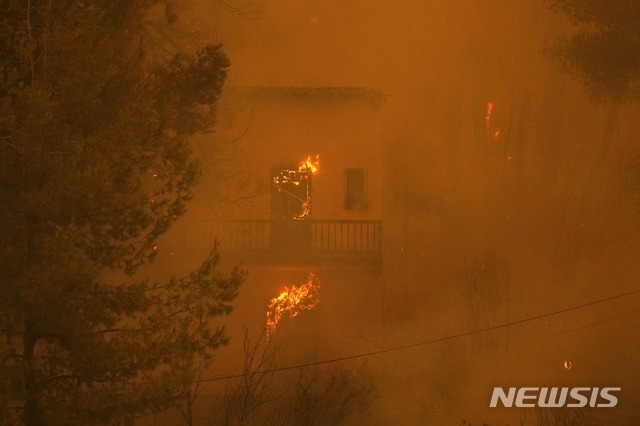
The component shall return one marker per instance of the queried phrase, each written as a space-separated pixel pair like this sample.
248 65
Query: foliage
245 395
321 397
563 417
605 53
316 395
95 165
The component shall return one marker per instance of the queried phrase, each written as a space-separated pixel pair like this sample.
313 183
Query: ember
488 116
306 210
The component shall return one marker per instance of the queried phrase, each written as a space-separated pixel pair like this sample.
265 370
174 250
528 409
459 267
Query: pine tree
605 52
95 165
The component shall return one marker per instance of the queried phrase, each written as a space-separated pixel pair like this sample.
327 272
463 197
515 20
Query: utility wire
237 313
546 336
441 339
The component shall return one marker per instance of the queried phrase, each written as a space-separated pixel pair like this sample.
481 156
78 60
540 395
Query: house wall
282 127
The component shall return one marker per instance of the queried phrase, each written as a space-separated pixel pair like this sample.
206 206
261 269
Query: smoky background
506 192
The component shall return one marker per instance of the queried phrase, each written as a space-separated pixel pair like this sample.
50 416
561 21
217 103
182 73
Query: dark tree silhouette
605 52
95 165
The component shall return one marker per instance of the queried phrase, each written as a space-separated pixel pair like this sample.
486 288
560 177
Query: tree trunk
31 412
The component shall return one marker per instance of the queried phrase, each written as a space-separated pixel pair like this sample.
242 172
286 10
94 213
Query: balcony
357 242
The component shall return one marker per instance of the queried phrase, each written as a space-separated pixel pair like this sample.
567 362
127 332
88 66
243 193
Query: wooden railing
315 235
243 234
346 235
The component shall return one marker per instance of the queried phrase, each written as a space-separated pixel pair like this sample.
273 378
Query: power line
445 338
308 336
559 333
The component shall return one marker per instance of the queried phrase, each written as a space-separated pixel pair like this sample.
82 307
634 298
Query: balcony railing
346 235
243 234
326 239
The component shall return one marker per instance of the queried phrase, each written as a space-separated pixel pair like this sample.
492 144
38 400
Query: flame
294 300
488 116
306 210
310 166
496 135
567 365
306 168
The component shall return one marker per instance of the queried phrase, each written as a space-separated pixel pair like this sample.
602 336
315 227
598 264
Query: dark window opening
355 195
290 227
290 194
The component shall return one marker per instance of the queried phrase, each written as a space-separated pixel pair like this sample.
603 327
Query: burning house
317 158
303 205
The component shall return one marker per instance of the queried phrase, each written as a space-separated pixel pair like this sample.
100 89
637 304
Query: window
290 193
355 195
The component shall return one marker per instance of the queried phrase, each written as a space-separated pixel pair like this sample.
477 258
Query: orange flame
306 168
310 166
306 210
567 365
488 116
294 300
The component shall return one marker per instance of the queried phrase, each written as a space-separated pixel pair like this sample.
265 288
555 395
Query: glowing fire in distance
488 116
